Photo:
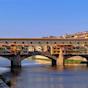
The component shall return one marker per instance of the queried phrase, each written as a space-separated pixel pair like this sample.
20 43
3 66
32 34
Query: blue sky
39 18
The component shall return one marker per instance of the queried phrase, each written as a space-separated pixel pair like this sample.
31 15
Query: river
33 75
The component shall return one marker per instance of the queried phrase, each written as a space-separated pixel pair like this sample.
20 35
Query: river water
33 75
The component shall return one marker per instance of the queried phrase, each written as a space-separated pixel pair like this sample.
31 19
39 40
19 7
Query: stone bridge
18 57
57 50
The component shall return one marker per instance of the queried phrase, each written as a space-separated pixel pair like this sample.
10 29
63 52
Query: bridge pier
15 62
54 62
60 59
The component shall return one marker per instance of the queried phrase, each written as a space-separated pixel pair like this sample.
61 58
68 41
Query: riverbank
3 82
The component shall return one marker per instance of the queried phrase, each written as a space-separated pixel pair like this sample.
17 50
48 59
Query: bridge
17 49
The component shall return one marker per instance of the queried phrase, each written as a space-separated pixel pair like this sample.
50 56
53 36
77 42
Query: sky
41 18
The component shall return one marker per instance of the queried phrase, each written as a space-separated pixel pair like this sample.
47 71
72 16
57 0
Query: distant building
75 35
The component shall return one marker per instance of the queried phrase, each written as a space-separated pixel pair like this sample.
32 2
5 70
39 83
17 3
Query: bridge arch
4 61
39 59
44 54
81 58
34 53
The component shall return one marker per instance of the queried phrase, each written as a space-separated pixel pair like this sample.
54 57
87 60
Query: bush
72 61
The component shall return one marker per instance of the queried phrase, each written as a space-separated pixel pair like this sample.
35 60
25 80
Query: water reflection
4 70
45 76
34 75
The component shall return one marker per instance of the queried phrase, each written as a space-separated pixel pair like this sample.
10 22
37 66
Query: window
14 42
22 42
47 42
70 42
31 42
54 51
6 42
77 42
55 43
54 48
39 42
62 42
85 42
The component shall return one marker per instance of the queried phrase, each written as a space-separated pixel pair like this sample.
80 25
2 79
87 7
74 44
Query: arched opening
6 42
4 65
23 42
75 60
5 62
36 59
31 42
